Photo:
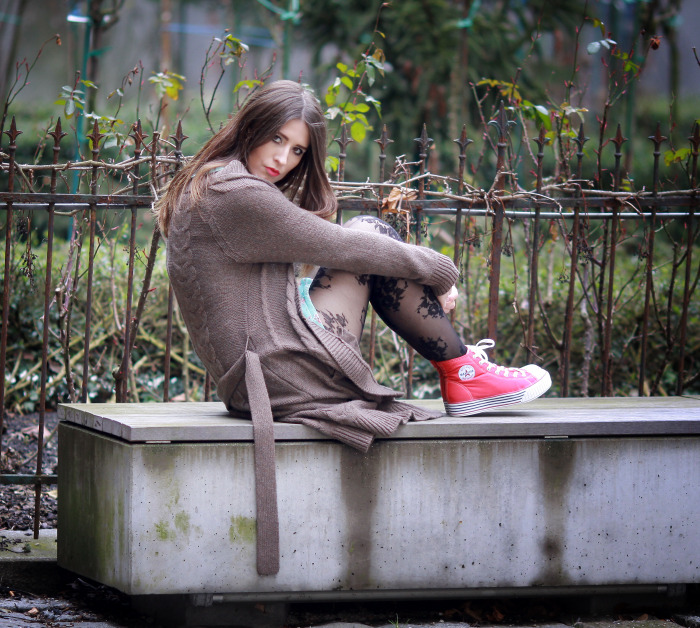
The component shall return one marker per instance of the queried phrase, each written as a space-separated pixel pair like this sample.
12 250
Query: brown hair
260 118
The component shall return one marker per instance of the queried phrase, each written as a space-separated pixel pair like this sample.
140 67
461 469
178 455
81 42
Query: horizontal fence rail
596 282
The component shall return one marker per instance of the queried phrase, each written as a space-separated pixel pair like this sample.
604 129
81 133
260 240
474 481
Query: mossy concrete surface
29 564
21 546
507 500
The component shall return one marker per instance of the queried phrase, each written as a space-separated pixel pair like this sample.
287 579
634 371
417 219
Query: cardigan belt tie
268 556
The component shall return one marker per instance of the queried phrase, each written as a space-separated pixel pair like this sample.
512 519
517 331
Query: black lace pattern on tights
322 280
380 226
335 323
436 348
429 306
388 294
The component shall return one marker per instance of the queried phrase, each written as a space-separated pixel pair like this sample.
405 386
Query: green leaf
362 118
69 108
358 131
370 75
171 90
347 82
332 163
248 84
545 120
235 47
674 156
599 24
332 113
377 105
626 185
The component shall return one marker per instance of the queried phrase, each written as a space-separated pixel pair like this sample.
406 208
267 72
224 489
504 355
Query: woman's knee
372 223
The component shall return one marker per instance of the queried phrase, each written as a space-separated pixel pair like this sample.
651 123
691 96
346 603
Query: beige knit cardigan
231 261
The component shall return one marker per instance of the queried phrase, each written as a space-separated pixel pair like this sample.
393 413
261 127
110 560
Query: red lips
272 172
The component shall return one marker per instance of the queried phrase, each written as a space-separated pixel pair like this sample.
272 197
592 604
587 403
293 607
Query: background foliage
439 62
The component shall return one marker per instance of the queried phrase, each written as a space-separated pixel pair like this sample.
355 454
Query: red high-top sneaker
471 384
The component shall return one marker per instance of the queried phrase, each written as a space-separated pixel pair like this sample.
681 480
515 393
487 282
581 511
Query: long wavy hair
257 122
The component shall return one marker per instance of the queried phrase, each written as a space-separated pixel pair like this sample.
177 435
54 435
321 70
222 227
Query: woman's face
276 158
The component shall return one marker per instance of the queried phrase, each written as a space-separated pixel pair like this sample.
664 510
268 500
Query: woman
237 217
233 234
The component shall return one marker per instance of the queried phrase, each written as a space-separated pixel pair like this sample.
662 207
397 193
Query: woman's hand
449 299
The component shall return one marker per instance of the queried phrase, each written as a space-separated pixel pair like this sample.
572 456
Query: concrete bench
158 500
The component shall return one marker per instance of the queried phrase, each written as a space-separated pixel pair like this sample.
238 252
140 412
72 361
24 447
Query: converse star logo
466 372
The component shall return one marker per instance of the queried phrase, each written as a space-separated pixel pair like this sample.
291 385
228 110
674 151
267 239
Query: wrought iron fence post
178 139
463 142
12 133
122 375
383 142
94 138
502 125
424 143
57 135
618 140
690 239
565 359
533 296
343 142
152 251
657 139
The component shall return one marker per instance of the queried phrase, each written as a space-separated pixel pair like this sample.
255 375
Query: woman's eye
277 139
298 152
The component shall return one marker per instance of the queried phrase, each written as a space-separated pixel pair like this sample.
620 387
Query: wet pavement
58 612
34 591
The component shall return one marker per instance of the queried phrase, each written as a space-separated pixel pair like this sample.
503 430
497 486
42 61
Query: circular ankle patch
466 372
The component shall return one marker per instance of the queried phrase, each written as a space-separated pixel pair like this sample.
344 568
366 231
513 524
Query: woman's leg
469 382
407 307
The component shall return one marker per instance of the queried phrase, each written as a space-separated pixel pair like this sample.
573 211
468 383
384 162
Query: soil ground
18 456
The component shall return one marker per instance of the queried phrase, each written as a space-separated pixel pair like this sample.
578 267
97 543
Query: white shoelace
478 351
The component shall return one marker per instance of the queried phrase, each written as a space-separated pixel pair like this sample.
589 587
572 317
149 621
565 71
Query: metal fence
589 252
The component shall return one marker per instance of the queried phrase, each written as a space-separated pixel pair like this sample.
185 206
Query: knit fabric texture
231 259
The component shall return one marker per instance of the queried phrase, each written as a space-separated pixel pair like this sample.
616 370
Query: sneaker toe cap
537 372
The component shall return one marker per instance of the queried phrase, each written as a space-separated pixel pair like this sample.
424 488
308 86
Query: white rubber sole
468 408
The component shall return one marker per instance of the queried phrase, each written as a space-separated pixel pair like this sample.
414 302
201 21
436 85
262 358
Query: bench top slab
551 417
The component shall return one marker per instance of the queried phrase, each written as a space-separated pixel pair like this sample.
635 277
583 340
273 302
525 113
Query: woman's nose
282 155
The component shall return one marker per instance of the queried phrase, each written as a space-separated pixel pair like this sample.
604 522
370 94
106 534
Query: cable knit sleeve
253 222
